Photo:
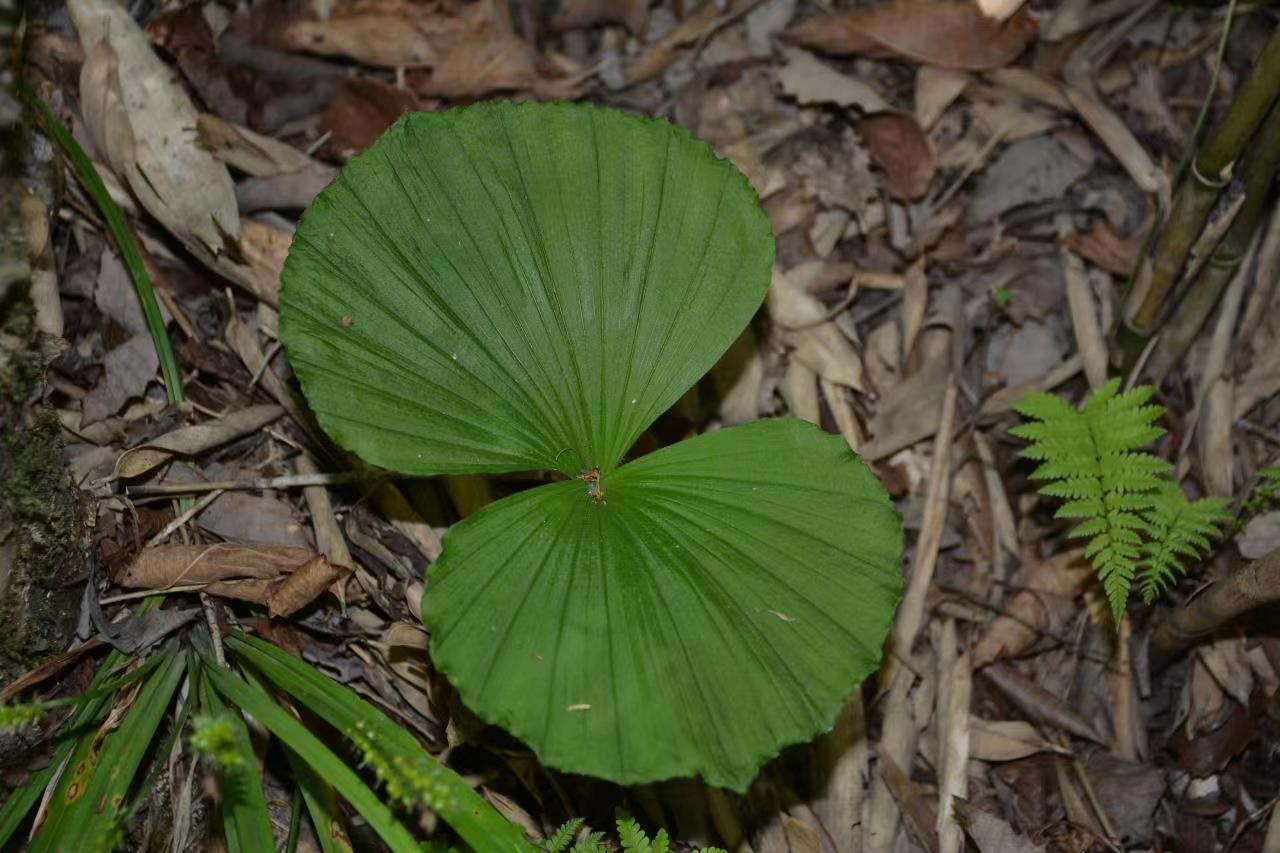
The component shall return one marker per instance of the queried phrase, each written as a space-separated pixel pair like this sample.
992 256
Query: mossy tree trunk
43 548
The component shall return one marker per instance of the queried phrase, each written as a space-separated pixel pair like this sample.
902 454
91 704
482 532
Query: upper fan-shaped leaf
718 604
505 287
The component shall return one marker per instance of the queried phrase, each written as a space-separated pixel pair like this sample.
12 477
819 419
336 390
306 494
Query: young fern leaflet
1139 524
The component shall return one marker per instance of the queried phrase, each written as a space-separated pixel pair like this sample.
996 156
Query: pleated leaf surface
506 287
718 604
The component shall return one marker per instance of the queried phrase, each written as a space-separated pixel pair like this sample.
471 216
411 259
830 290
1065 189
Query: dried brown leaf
1038 703
193 440
143 122
302 586
947 34
388 33
1030 614
165 566
810 81
900 147
1100 245
361 110
1005 740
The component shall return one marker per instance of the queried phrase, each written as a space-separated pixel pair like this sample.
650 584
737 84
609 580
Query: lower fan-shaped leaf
718 604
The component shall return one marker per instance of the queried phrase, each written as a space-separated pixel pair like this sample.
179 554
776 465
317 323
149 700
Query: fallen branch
1216 605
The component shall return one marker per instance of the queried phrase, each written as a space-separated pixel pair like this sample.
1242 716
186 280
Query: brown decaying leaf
302 586
811 81
901 148
1101 245
143 123
948 34
165 566
817 342
189 441
1029 615
248 151
388 33
1005 740
1038 703
361 110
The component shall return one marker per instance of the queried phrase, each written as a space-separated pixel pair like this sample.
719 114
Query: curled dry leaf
167 566
900 147
142 121
192 440
252 153
1029 614
810 81
947 34
1005 740
819 345
1038 703
302 586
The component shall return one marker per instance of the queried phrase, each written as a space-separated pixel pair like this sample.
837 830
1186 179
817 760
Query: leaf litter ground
956 210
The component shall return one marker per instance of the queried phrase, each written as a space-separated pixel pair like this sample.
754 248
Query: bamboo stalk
1210 172
1252 586
1257 175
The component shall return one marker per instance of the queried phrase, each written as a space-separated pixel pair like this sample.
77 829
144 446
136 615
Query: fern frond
633 838
558 841
593 843
1091 458
1179 528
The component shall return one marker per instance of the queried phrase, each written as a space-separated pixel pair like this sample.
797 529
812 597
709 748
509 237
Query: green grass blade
26 795
470 815
297 737
88 706
322 806
245 819
125 243
85 810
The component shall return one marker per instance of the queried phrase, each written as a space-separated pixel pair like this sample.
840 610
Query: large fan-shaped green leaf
719 603
504 287
507 287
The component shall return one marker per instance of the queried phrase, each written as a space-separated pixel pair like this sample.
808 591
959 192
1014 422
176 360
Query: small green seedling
509 287
631 839
1140 525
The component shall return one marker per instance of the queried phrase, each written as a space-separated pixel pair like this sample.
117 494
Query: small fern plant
1140 525
631 837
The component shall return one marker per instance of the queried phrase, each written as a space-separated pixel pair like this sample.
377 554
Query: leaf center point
595 491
